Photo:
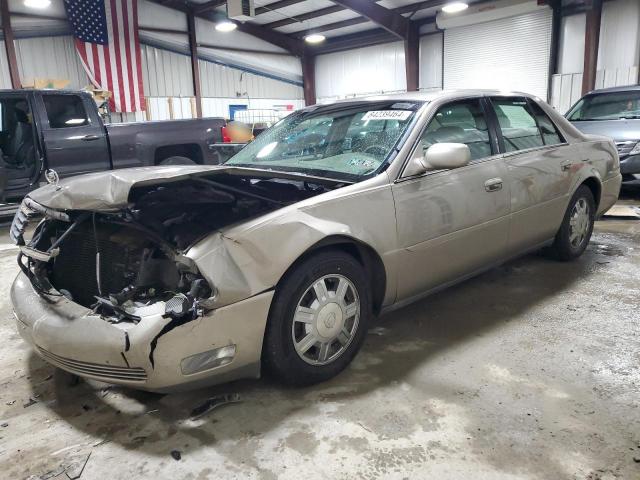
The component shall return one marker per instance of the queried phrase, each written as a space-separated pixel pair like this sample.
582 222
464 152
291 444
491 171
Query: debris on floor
75 470
626 211
212 403
30 402
176 454
381 331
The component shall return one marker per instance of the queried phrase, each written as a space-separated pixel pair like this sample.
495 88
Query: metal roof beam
213 4
290 44
391 21
276 5
411 8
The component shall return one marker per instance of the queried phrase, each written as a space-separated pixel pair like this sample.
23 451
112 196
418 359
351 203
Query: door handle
566 166
89 138
493 185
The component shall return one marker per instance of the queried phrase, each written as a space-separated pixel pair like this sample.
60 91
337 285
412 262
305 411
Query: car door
74 137
452 223
538 163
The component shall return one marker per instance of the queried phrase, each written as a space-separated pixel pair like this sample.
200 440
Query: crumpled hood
109 191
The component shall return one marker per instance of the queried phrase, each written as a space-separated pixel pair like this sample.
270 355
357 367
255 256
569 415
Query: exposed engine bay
129 264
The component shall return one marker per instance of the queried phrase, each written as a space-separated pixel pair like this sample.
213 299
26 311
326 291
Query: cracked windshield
347 141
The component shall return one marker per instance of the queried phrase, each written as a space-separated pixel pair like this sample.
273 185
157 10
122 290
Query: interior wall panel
221 81
50 57
5 77
431 62
619 45
362 71
507 54
571 45
165 73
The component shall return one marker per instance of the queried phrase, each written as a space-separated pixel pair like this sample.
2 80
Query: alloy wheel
326 319
579 223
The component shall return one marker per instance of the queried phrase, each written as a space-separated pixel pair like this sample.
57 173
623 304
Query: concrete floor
531 370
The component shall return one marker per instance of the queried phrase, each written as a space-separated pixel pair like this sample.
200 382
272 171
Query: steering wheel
375 150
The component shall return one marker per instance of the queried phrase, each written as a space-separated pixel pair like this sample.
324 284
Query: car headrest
21 116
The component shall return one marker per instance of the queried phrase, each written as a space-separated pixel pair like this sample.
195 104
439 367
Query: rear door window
65 111
517 123
550 133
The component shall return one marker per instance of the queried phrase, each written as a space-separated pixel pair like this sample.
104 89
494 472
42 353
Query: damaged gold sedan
175 277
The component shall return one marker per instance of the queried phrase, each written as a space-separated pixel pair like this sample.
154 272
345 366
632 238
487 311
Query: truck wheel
177 161
318 319
574 234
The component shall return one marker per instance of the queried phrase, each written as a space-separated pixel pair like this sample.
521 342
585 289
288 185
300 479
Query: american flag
106 38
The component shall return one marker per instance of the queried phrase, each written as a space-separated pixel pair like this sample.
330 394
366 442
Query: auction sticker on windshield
387 115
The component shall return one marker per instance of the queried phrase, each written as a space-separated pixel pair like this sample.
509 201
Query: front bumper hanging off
222 345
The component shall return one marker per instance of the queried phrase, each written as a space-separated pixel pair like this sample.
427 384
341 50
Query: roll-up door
506 54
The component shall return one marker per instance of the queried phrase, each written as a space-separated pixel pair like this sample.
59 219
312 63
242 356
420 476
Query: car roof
627 88
436 95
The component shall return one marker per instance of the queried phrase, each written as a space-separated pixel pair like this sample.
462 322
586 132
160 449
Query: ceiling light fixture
226 26
37 3
455 7
315 38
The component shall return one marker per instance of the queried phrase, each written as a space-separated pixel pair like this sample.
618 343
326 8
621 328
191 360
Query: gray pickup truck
63 131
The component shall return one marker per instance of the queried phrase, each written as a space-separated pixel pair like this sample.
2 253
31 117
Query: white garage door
507 54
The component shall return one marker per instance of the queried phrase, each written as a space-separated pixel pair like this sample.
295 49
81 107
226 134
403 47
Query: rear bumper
75 339
609 194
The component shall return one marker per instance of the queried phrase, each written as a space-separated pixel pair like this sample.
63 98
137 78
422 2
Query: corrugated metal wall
221 81
5 78
362 71
50 57
431 50
165 73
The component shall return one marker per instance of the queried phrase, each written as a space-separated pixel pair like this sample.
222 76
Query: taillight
225 136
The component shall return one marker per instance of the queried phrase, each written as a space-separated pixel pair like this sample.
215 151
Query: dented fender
245 260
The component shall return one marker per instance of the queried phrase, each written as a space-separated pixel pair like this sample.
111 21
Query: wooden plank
195 67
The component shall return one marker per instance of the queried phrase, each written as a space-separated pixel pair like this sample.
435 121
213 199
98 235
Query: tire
330 323
177 160
577 226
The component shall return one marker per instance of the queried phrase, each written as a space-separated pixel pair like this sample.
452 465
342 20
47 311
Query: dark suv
614 112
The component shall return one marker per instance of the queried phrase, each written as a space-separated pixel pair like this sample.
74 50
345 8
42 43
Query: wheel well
189 150
363 254
594 185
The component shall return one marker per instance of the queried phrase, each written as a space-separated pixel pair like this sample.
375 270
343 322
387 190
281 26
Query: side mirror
445 156
440 156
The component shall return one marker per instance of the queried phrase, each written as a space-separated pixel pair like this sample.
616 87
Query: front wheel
577 226
318 320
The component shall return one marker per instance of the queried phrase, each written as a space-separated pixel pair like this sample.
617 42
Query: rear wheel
177 160
318 320
576 229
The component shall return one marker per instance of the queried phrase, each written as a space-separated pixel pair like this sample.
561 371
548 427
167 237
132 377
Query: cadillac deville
166 278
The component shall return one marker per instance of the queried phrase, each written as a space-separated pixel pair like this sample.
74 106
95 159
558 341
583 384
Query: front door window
17 136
